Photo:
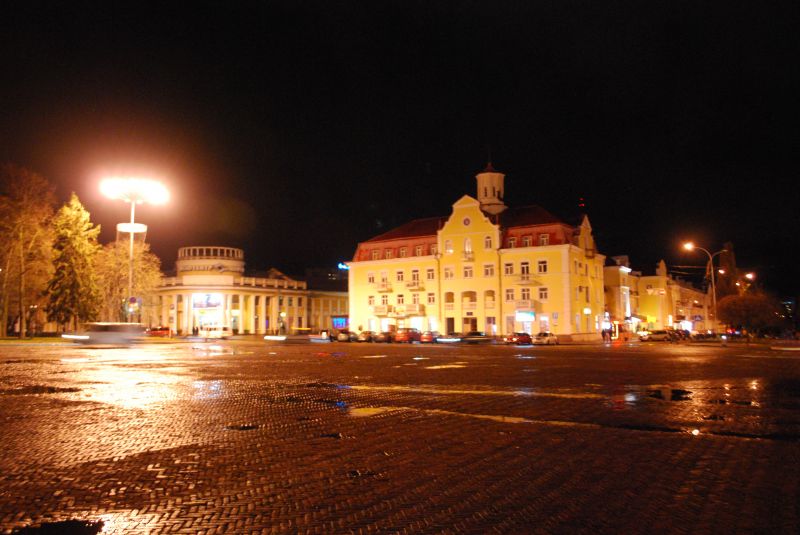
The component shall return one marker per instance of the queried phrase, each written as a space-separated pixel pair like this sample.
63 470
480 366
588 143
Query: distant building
211 288
635 301
484 267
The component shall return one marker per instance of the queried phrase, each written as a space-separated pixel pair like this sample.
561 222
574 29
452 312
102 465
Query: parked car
476 337
429 337
546 339
108 333
215 332
656 336
346 336
407 335
159 331
518 338
385 337
365 336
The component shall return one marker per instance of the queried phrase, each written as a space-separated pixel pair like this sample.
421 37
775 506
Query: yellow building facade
210 288
485 267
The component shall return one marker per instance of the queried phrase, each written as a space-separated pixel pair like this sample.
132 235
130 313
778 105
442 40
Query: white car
215 332
108 333
545 339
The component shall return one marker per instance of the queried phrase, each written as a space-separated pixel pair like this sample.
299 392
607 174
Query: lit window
526 241
544 239
487 242
430 273
512 242
431 299
467 272
509 294
541 266
448 246
403 252
543 297
467 245
488 270
508 268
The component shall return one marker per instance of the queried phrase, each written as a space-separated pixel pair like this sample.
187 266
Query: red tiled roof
525 216
416 228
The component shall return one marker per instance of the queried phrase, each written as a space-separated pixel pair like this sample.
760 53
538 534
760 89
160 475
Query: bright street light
689 246
134 191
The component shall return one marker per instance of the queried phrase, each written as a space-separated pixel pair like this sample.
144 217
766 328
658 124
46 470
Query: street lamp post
689 246
135 191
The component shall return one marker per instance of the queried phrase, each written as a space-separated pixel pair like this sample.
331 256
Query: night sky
297 129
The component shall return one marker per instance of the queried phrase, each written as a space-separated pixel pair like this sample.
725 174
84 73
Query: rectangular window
586 288
487 242
400 276
371 278
543 294
430 273
431 299
418 250
434 249
525 268
403 252
467 272
384 277
544 239
299 301
508 268
525 294
290 301
415 275
541 266
448 273
388 253
448 246
371 300
512 242
509 294
488 270
384 299
526 241
415 299
376 255
400 299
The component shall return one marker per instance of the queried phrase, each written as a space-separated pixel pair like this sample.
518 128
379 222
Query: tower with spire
490 190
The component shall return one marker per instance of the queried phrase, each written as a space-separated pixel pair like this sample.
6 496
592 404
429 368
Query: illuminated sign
524 315
206 300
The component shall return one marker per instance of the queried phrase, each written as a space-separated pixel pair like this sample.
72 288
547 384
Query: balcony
381 310
522 304
409 310
488 305
415 285
469 305
384 286
468 256
449 306
525 279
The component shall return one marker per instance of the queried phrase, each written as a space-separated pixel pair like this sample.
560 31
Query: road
247 437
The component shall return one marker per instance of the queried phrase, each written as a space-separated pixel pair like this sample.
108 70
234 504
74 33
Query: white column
226 312
187 313
174 312
262 314
242 315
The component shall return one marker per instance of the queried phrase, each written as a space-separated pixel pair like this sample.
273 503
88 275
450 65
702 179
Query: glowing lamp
135 190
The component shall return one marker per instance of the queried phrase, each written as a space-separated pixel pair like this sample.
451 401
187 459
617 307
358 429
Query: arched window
467 245
487 242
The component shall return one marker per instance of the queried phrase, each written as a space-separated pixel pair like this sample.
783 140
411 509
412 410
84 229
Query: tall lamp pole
689 246
134 191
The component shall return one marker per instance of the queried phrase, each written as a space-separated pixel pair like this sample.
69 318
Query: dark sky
296 129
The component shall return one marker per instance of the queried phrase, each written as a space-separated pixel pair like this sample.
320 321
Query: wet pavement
242 437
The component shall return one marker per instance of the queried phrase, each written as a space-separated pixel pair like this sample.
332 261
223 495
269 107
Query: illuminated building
484 267
635 301
210 287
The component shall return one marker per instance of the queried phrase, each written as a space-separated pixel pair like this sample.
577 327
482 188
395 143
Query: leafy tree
755 311
111 267
26 207
72 292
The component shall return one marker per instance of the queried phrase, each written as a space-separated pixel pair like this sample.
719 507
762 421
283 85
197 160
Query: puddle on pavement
450 391
420 358
38 389
65 527
242 427
670 394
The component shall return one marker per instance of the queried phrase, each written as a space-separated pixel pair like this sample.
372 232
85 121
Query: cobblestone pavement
244 437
